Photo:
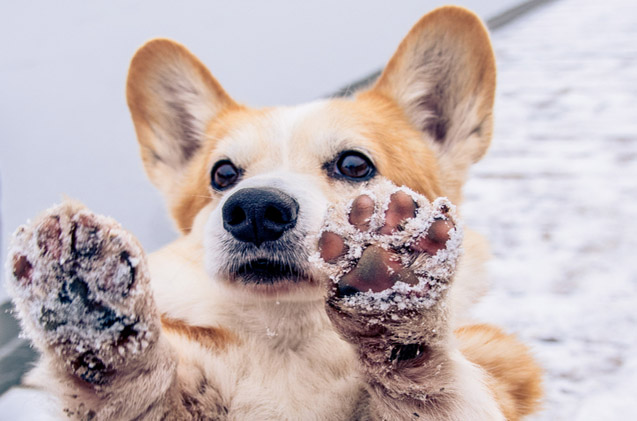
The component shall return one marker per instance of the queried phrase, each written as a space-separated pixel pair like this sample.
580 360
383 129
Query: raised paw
80 286
391 255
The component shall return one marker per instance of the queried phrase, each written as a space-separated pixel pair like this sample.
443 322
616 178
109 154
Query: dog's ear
172 98
443 77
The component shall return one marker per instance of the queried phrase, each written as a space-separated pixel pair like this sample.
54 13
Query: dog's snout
257 215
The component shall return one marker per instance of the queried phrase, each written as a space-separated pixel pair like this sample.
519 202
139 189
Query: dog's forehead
291 137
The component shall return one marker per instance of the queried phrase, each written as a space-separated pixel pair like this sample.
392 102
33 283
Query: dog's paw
80 285
391 256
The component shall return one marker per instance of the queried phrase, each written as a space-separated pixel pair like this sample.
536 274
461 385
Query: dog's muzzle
257 215
266 249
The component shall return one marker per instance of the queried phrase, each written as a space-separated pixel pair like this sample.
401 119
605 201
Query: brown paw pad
390 246
86 235
120 273
436 237
49 237
90 368
22 268
361 212
331 246
376 271
401 207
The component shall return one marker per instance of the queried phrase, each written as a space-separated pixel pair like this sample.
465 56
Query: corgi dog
323 272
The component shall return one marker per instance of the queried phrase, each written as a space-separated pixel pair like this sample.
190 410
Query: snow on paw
80 286
391 256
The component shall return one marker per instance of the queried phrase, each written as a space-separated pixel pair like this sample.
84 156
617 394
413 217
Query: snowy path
557 197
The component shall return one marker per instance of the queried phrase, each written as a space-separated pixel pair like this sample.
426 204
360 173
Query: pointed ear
443 77
172 98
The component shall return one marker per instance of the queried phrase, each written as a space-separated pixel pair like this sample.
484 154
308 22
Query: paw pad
81 287
22 268
49 237
389 248
86 236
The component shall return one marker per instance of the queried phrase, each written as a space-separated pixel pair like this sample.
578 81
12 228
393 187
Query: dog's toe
361 212
400 208
331 246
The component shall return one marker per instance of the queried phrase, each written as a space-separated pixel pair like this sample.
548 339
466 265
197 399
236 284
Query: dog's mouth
265 271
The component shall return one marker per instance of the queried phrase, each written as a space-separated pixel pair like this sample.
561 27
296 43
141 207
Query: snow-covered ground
557 197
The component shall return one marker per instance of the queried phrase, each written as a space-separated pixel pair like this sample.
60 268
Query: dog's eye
354 165
223 175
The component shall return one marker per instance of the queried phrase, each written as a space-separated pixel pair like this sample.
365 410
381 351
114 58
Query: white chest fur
286 363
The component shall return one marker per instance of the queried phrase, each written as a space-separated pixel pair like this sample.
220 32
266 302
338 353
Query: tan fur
456 44
164 73
239 352
213 337
515 377
382 128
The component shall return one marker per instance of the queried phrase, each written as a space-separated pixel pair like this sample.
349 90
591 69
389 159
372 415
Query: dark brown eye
223 175
355 165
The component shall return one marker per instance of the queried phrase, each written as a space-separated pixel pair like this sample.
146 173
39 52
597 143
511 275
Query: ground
557 198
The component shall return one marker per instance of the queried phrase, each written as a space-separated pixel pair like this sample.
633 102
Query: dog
323 272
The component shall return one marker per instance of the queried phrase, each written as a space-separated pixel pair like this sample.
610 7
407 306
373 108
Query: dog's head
255 182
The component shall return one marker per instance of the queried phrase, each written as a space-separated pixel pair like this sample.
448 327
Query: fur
232 351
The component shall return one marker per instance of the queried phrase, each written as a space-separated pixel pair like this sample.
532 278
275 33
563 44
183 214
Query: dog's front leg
81 289
391 255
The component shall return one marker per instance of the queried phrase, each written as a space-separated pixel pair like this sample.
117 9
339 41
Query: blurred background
556 195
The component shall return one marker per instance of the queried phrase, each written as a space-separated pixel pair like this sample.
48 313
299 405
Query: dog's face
256 183
274 172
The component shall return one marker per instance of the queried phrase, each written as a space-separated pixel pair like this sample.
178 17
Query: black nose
256 215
